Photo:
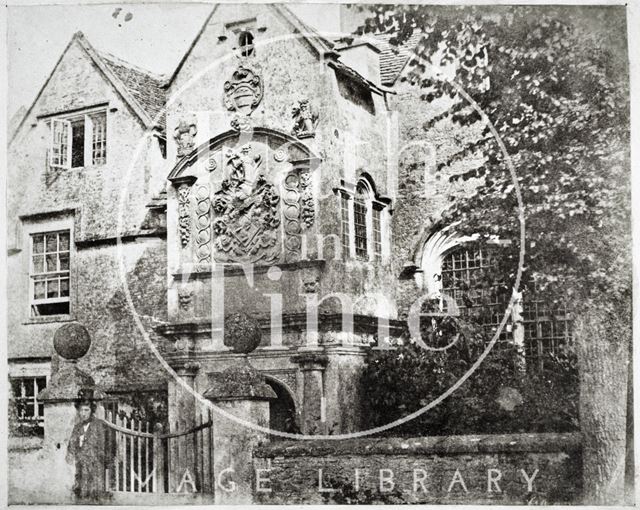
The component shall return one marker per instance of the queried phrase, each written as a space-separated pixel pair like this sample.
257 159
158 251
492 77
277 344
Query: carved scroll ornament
184 215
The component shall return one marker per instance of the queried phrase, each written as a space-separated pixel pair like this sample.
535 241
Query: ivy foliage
557 96
553 84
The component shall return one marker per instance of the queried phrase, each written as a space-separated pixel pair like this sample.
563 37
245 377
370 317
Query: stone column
71 342
313 363
239 391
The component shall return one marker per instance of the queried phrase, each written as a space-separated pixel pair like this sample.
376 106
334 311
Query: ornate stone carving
184 136
310 280
184 298
280 155
246 209
243 92
306 199
242 124
311 285
298 211
184 216
212 164
291 213
305 119
203 224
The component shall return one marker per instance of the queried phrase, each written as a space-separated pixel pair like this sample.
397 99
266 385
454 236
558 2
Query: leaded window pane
344 216
99 140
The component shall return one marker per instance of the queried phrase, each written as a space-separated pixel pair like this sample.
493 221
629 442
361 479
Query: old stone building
277 174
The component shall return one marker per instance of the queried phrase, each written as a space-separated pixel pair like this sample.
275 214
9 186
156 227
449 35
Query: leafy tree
558 98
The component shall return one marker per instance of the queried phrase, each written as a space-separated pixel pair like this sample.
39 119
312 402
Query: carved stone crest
305 119
184 135
247 211
243 92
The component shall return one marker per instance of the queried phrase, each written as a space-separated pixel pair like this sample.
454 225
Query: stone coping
491 443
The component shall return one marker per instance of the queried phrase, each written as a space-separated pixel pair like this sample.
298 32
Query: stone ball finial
242 333
72 341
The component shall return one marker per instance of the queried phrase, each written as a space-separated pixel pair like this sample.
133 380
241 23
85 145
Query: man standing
87 447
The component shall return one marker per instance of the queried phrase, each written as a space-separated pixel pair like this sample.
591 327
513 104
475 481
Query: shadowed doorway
282 410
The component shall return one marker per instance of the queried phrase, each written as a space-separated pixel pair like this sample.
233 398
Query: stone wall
97 204
496 469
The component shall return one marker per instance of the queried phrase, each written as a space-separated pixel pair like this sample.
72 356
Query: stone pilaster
313 363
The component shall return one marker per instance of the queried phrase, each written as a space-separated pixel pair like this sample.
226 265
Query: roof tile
146 88
394 58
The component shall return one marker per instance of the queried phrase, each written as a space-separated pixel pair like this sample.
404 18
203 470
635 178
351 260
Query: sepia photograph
319 253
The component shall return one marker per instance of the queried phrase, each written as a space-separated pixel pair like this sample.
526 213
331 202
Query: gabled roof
320 44
139 89
393 59
146 88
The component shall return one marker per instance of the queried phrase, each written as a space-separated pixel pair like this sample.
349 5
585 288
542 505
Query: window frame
249 49
37 368
362 198
348 195
67 120
47 276
483 262
431 263
31 227
37 420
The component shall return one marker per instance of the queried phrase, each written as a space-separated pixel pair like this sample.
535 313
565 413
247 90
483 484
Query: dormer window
79 140
245 43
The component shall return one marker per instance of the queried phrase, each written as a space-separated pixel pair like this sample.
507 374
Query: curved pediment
285 147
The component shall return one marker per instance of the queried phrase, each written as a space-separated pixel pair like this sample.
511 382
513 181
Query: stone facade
237 198
287 138
112 230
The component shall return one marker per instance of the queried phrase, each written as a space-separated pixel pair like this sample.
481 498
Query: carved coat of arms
243 92
247 211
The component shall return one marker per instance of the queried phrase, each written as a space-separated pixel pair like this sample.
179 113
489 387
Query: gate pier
242 396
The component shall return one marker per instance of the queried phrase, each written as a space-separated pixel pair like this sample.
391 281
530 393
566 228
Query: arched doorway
282 410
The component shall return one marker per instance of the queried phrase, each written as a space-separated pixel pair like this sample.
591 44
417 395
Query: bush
501 396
